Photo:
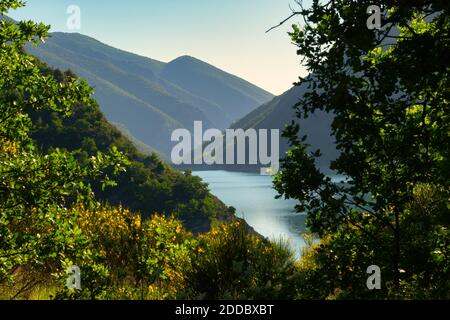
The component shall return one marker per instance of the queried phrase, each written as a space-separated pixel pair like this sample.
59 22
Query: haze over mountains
148 99
279 112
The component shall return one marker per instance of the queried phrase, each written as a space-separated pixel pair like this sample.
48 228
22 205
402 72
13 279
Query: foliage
388 90
124 257
36 228
233 264
127 258
336 268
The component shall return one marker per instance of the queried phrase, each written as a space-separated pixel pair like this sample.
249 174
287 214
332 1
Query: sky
229 34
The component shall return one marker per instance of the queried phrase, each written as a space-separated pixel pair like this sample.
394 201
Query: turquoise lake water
254 199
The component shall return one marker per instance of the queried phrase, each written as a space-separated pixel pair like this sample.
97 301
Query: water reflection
254 199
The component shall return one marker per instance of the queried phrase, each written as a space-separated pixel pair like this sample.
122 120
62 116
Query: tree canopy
388 90
36 189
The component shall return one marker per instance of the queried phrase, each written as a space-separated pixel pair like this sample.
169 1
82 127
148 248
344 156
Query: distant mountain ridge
277 114
149 98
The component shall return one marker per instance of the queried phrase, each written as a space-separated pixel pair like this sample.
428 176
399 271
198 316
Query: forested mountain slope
148 186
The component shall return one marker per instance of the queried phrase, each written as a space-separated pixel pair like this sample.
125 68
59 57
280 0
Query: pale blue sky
229 34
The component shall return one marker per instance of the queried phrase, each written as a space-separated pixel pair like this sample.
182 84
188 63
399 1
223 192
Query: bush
336 268
230 263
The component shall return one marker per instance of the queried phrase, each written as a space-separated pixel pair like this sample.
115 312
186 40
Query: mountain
234 96
146 98
147 186
277 114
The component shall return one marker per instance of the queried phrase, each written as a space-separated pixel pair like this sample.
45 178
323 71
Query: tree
388 90
36 228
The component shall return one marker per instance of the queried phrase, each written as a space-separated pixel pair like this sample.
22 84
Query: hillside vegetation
147 186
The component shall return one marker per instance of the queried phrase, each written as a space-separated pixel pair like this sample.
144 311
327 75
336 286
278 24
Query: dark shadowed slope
279 112
276 114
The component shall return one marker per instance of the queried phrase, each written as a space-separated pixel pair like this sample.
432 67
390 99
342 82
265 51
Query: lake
254 199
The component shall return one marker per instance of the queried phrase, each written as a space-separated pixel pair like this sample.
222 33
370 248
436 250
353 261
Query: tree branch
284 21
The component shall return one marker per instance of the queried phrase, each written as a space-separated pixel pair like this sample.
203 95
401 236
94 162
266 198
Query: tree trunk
397 249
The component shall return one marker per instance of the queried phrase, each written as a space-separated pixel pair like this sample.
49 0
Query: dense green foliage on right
389 91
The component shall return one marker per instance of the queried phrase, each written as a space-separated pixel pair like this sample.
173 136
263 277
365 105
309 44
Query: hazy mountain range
148 99
279 112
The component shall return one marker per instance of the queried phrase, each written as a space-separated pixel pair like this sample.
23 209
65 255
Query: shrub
230 263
